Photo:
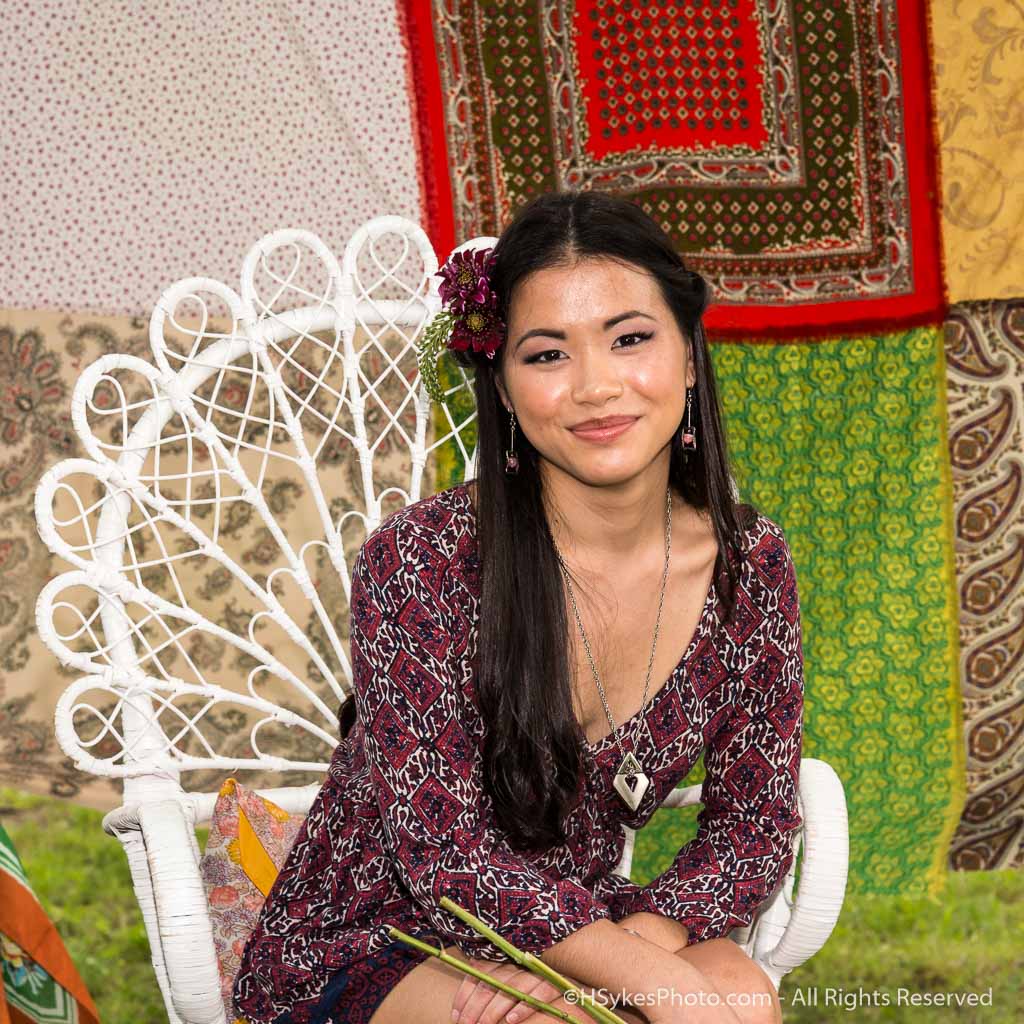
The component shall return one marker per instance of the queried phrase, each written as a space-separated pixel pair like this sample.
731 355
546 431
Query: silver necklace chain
629 765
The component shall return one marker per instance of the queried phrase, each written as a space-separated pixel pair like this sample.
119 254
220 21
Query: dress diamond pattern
402 818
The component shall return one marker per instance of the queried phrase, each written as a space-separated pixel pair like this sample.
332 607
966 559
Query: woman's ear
500 386
691 369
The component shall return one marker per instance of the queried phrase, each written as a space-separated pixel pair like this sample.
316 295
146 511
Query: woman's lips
603 433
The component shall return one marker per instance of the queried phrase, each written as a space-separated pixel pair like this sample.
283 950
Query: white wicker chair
182 451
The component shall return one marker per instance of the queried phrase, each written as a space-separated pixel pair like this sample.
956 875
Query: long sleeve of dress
743 847
618 892
424 766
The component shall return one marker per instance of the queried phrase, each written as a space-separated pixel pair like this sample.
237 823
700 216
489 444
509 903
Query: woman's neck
607 526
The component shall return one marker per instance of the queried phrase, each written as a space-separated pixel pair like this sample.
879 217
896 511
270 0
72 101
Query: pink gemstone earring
689 435
511 459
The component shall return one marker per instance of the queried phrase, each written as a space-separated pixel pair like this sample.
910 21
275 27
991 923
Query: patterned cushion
249 840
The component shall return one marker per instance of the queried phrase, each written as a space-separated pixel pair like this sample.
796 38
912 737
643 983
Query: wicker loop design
246 388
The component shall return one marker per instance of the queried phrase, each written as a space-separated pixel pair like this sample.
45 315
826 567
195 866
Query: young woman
539 657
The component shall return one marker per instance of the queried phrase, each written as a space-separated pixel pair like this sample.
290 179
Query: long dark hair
533 750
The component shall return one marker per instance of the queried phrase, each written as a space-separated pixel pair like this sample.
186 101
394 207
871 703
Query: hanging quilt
787 148
979 85
985 381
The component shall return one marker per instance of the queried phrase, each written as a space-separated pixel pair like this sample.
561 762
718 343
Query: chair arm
199 806
182 912
792 931
172 897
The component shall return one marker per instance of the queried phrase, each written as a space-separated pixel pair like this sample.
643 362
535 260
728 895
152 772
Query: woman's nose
597 377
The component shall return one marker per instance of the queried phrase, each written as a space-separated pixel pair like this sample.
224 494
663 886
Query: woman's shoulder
758 528
434 518
767 559
432 539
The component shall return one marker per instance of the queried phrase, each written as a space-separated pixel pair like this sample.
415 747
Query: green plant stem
537 1004
533 964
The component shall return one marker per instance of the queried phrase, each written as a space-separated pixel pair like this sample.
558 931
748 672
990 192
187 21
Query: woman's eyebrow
549 332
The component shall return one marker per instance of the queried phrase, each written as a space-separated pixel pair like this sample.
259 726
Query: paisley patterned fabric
403 820
42 353
985 381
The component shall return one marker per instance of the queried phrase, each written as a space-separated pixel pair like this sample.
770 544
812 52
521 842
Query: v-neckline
598 748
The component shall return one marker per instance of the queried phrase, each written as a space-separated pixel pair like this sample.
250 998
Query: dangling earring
511 459
689 435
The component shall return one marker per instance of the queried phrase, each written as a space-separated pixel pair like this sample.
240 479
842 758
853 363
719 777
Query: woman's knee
737 978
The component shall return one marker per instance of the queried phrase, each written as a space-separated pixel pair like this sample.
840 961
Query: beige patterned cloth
979 77
41 355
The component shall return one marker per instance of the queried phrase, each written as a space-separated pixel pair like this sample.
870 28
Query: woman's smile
605 432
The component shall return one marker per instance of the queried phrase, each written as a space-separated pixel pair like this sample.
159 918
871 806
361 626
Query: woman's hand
479 1003
662 931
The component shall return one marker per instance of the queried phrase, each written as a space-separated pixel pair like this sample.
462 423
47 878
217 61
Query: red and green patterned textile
788 149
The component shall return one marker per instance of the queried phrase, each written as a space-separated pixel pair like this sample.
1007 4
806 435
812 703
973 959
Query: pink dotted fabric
144 143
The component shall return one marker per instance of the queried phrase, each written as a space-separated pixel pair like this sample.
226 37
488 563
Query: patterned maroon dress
402 818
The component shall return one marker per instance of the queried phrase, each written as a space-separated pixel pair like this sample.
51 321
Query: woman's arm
662 985
619 893
424 766
743 845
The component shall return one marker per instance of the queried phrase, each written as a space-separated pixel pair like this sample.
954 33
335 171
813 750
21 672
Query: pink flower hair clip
469 317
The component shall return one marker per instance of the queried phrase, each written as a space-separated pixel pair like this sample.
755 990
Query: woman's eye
537 357
641 336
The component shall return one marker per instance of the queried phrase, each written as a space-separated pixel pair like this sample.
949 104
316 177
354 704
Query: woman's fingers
473 996
558 1000
480 1003
533 986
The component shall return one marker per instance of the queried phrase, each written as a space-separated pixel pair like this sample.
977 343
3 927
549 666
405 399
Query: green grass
81 877
969 943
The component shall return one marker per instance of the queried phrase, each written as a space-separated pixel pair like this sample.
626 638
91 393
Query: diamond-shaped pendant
632 795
